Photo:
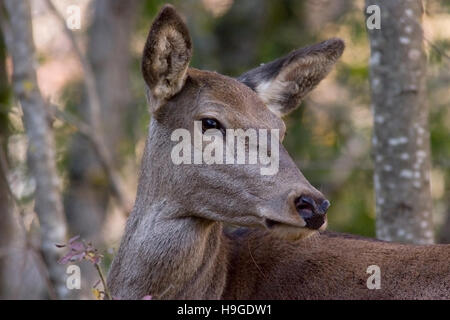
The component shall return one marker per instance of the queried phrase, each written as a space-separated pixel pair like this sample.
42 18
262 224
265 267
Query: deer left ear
166 57
284 82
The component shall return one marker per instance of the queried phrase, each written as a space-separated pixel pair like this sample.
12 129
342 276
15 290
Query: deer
177 243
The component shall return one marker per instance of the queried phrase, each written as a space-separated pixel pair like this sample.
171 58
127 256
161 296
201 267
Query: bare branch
100 150
438 49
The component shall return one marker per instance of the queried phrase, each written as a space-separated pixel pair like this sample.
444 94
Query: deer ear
284 82
166 57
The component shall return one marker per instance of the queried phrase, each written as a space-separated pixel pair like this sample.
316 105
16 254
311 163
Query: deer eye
208 123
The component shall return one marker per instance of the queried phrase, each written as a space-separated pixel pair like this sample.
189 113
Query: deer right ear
166 57
284 82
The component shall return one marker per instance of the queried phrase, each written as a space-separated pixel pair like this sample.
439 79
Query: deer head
233 193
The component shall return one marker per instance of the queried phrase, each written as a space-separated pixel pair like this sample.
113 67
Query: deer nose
312 212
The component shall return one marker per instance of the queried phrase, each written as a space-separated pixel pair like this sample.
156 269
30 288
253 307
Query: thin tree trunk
401 135
6 221
41 153
88 194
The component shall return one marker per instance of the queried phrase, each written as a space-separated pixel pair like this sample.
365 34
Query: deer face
206 104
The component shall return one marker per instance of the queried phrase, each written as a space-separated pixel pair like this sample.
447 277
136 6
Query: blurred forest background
329 135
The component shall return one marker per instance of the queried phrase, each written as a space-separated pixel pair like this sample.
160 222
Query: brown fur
175 247
333 266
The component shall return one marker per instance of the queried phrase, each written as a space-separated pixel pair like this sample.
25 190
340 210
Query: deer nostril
307 201
313 214
306 206
325 205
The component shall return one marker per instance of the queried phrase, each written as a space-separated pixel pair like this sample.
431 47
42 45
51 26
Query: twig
102 278
437 49
254 261
81 126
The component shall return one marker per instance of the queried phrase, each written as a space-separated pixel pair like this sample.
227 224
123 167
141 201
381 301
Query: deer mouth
271 223
320 224
288 231
302 219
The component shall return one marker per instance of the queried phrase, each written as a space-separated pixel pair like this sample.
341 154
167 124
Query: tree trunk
88 193
41 153
401 135
6 221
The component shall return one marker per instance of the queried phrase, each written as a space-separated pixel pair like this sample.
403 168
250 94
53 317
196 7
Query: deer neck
181 257
174 254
